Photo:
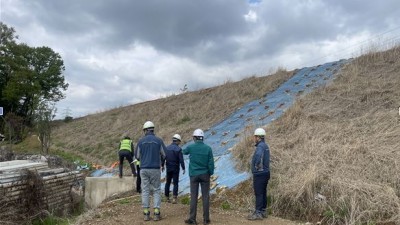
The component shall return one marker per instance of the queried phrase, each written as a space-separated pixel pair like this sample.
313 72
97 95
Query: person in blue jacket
174 159
261 175
150 152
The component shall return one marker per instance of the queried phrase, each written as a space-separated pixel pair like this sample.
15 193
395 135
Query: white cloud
251 16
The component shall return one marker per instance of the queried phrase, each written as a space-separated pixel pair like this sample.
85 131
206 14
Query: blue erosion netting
258 113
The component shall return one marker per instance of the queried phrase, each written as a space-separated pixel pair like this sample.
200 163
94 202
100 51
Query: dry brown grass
96 137
343 142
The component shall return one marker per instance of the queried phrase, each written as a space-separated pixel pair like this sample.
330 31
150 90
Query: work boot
190 221
264 214
255 216
175 200
146 214
157 215
205 222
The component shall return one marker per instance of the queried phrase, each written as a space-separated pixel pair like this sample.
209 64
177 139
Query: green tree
44 114
29 75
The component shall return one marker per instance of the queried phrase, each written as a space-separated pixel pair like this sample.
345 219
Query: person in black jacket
174 159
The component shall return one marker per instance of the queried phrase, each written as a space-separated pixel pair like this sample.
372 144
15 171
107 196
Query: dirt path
129 211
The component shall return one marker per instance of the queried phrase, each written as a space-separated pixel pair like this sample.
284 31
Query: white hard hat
177 136
198 133
259 132
148 124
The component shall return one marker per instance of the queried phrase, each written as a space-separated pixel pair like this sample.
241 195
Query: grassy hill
95 138
335 152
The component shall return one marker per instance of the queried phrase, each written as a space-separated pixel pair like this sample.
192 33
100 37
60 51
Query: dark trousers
138 180
124 154
172 175
260 182
204 181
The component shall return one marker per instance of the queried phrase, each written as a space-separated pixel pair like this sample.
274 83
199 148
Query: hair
198 137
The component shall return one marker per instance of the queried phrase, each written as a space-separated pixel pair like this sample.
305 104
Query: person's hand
183 171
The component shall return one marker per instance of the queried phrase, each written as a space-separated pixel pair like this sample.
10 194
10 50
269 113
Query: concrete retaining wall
99 188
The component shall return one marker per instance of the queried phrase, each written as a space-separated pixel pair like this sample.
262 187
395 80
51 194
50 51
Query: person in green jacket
201 167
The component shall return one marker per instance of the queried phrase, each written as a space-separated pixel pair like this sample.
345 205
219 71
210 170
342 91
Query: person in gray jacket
150 152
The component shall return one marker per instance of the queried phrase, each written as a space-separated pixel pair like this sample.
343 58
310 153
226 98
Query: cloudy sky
121 52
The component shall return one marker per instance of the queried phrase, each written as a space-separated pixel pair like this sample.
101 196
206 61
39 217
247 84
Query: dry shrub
96 137
335 153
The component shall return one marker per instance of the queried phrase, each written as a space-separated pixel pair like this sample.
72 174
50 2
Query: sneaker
168 200
255 216
157 216
206 222
190 221
174 200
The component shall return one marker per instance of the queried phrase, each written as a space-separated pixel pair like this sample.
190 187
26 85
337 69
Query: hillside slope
335 153
96 137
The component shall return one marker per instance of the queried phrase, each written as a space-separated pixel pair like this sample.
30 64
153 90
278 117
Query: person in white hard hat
261 175
150 151
174 159
201 167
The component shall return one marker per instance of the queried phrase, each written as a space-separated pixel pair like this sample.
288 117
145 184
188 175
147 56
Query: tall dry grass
336 152
96 137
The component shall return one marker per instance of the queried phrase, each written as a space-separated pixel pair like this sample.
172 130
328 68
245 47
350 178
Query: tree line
31 82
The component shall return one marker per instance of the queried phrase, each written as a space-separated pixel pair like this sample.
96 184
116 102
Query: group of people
148 161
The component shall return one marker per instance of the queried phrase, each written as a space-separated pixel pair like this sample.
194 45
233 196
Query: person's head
259 134
148 127
198 134
176 138
127 137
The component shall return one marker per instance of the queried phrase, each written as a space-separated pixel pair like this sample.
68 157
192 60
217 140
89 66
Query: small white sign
1 111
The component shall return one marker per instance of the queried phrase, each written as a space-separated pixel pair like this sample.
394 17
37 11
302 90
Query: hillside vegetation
335 152
95 138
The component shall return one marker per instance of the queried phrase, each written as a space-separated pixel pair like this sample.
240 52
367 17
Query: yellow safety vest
126 144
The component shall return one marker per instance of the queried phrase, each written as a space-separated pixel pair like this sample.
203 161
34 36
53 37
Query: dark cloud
122 46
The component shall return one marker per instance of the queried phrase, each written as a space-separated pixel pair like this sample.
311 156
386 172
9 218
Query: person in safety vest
151 154
261 175
174 159
126 152
201 167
